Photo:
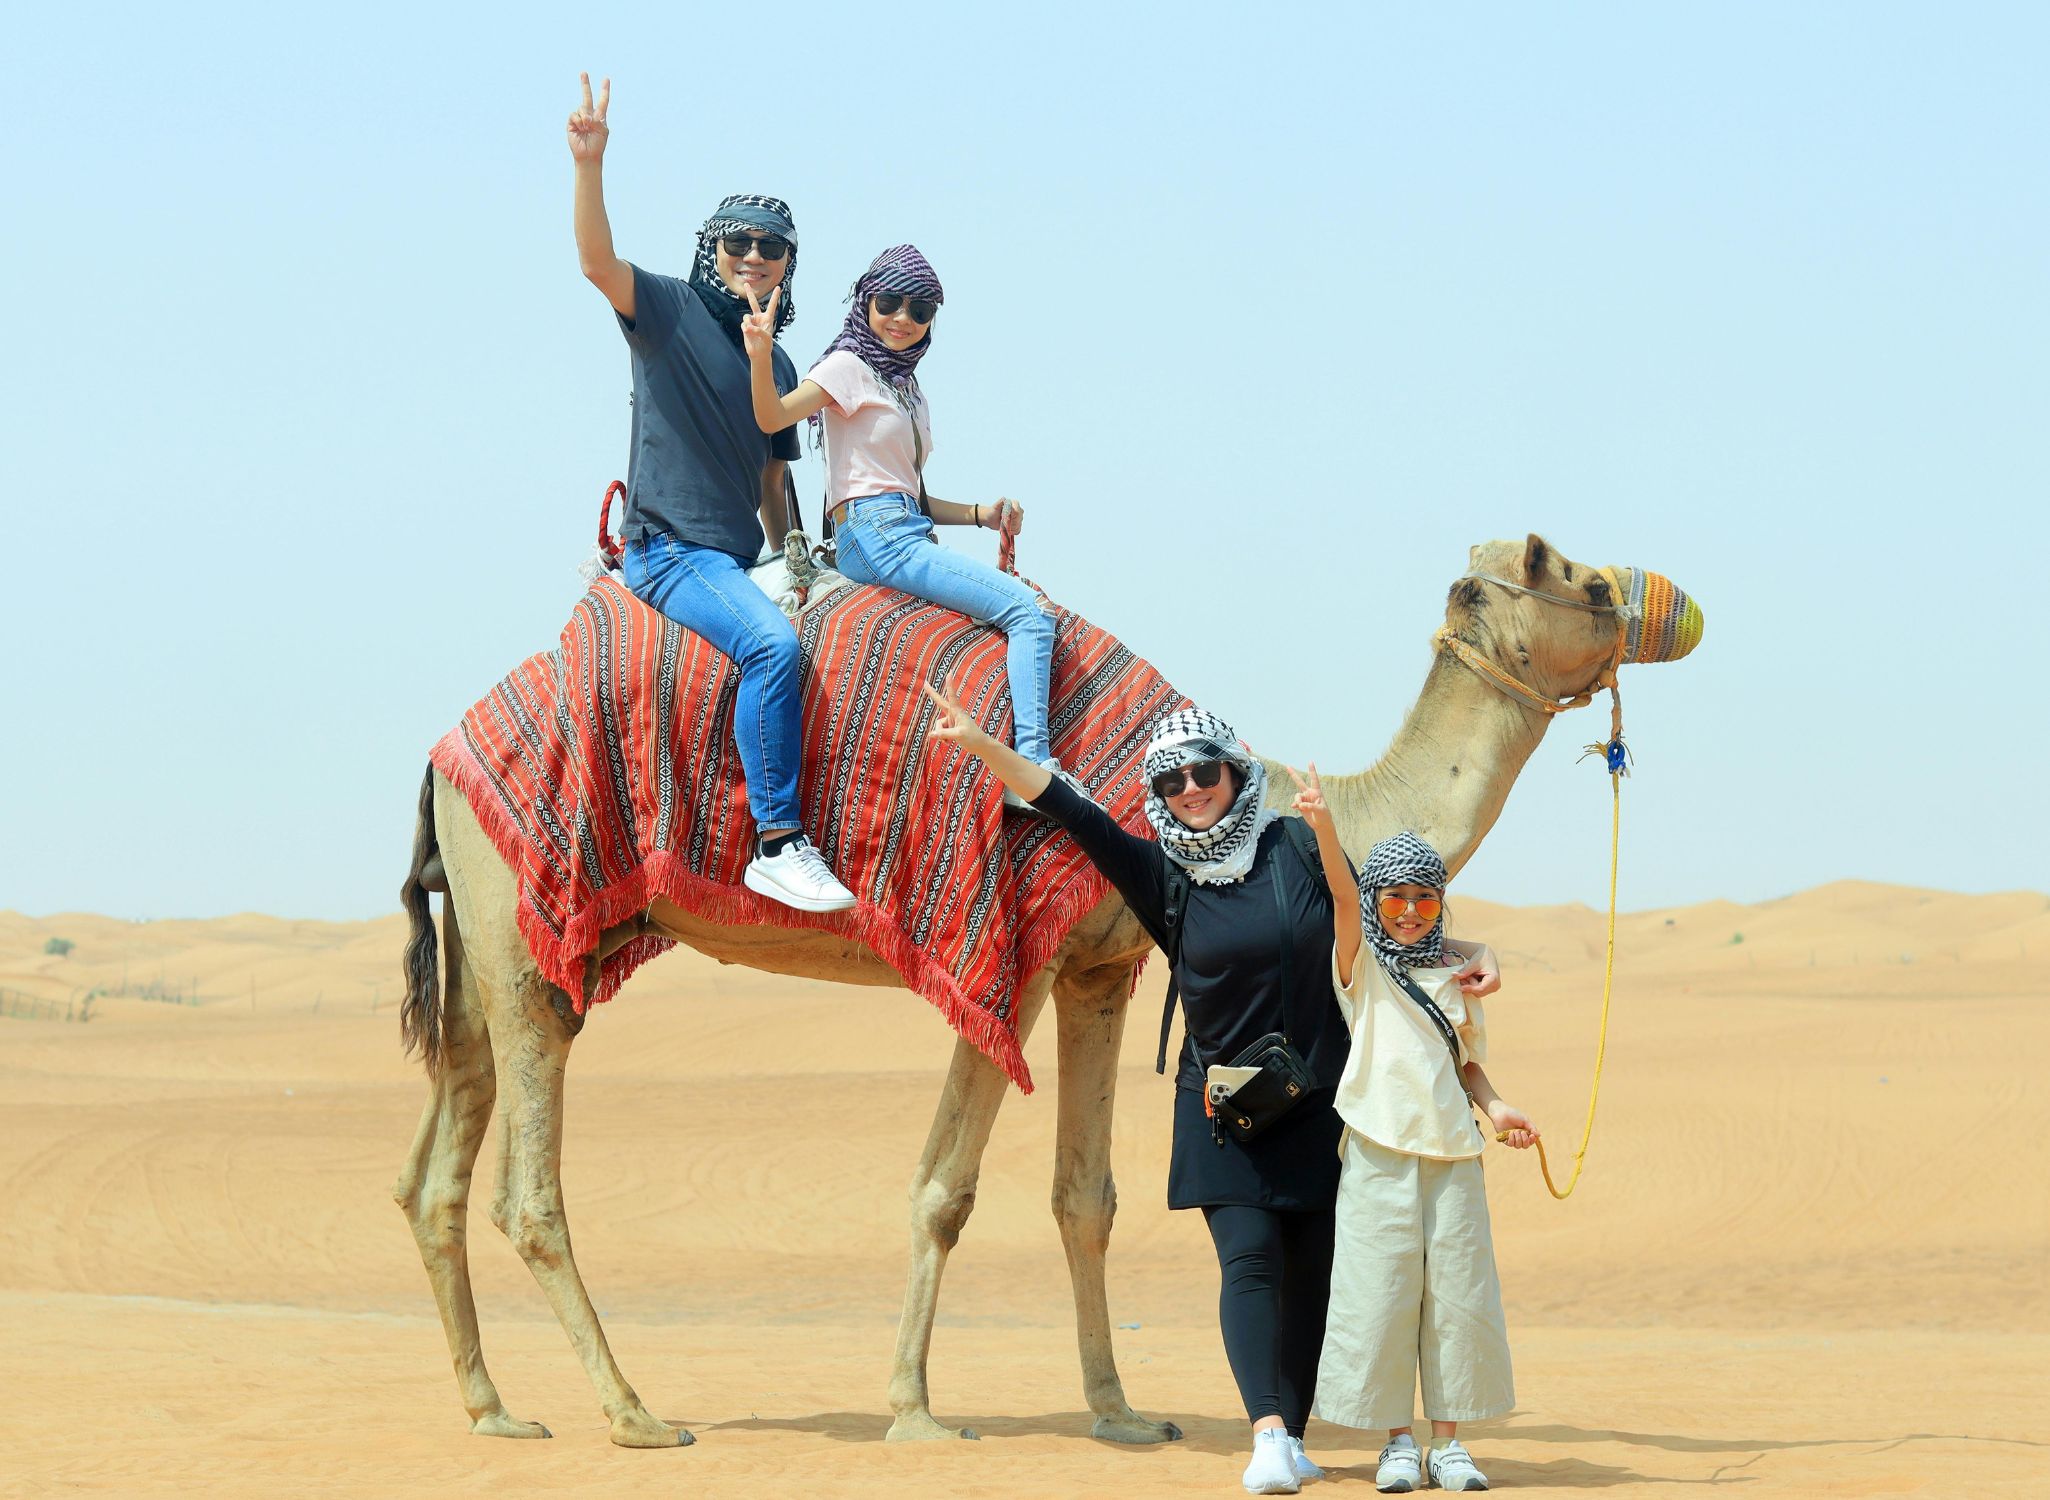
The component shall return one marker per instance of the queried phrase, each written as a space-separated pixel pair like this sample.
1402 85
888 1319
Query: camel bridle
1522 691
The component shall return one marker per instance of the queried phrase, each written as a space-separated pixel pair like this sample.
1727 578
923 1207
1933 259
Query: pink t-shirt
870 449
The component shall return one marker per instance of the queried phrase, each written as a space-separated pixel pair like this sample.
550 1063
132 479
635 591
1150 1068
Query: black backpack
1299 837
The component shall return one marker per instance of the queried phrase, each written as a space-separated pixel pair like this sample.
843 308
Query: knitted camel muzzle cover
1664 624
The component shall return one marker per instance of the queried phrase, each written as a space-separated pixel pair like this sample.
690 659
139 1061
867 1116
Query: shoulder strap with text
1438 1019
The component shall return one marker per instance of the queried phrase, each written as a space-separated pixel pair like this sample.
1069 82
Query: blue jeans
708 593
885 539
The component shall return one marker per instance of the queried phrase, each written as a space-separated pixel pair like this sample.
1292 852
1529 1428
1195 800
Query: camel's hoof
923 1427
502 1424
1130 1427
639 1428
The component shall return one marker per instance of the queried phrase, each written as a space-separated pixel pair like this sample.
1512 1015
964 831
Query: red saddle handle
608 544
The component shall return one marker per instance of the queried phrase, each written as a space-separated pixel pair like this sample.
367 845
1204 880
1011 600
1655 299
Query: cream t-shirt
1400 1089
870 449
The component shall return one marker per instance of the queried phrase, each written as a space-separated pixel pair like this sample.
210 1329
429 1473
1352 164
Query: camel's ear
1536 554
1473 557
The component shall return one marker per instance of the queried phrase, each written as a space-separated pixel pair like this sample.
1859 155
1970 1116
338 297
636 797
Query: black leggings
1275 1284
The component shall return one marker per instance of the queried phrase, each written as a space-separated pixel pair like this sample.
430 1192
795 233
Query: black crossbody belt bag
1284 1078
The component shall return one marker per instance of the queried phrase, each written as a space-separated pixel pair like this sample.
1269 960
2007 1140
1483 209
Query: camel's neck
1445 775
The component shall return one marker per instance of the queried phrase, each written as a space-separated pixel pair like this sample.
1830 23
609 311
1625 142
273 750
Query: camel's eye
1598 592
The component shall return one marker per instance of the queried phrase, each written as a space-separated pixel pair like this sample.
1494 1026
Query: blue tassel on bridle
1615 756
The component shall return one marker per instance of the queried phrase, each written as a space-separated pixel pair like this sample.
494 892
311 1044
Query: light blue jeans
708 593
886 539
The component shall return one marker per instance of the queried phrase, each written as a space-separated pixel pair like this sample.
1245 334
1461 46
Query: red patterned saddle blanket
605 773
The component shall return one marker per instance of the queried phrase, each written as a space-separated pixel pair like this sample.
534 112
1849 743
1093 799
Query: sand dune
1808 1257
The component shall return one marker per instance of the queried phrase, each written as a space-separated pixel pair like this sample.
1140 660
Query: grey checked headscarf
1404 859
1223 852
742 213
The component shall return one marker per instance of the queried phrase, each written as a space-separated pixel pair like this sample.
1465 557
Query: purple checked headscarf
898 269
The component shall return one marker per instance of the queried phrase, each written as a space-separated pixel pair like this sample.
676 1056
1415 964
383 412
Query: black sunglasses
922 309
773 247
1204 773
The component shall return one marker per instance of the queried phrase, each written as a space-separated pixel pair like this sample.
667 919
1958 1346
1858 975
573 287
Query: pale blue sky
1269 314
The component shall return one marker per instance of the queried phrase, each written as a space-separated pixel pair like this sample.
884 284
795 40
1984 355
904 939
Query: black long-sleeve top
1233 942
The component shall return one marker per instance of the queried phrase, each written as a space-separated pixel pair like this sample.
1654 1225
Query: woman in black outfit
1255 957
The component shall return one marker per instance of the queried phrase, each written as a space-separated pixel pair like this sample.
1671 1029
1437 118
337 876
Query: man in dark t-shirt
703 478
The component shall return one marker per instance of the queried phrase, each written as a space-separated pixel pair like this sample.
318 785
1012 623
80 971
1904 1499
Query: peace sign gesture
587 129
952 721
1310 805
758 328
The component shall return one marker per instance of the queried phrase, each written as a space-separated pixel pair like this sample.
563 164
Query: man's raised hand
587 129
758 328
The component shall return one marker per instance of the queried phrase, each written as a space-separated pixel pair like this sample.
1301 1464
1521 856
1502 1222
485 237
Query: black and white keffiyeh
1403 859
1222 853
742 213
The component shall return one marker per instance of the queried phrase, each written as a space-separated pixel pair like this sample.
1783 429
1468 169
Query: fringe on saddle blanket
605 772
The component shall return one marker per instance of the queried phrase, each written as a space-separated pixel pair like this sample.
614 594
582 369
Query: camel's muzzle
1663 624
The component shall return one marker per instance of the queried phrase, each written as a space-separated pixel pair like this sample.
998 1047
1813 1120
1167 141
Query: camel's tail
420 1015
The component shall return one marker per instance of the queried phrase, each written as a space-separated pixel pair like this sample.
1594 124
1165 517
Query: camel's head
1553 621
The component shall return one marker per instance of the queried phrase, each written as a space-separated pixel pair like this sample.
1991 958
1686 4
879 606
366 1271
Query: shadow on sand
870 1426
1226 1437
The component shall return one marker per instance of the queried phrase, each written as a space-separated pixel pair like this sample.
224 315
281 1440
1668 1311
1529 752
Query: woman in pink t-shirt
878 434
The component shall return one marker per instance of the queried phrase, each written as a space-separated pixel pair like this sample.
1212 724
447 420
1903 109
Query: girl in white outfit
1413 1284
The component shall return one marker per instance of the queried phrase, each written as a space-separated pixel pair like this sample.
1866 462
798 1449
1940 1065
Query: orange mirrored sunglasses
1427 907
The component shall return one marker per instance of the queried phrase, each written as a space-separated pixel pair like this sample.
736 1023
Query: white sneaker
1305 1470
1452 1467
1402 1467
1071 781
797 875
1272 1471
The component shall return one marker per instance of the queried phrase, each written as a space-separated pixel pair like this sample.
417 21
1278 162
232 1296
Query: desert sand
1808 1258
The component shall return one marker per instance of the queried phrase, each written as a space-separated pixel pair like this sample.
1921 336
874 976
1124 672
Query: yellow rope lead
1608 987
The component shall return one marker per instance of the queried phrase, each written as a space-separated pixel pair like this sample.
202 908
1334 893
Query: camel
496 1032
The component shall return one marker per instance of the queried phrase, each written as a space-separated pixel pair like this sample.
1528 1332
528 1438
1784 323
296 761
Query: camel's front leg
942 1195
1091 1014
532 1060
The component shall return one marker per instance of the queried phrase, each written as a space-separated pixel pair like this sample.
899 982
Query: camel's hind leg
942 1195
1090 1010
531 1026
434 1190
